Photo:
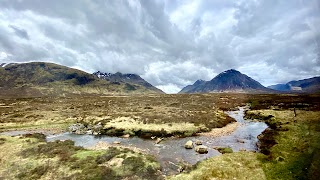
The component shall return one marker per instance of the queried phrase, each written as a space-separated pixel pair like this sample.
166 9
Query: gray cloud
20 32
171 43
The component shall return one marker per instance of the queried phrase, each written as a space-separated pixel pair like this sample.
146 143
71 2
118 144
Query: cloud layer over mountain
170 43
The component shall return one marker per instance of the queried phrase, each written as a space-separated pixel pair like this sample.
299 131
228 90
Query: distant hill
191 88
227 81
40 78
280 87
126 78
310 85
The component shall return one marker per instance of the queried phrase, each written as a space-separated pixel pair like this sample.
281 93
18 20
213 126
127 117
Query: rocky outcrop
188 145
201 149
227 81
80 128
77 128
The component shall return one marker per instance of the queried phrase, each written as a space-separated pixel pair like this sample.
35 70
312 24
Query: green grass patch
63 149
28 157
296 144
294 153
83 154
111 153
240 165
224 150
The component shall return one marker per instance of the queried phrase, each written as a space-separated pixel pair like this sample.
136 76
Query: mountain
190 88
227 81
280 87
305 85
126 78
40 78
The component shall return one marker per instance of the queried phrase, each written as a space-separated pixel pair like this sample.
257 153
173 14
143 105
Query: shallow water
171 151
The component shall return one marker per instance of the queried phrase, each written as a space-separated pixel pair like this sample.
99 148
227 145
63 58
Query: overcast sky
170 43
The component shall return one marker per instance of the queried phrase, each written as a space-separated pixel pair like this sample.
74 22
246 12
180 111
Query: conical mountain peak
229 80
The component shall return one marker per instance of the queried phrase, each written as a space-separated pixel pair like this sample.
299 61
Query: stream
171 151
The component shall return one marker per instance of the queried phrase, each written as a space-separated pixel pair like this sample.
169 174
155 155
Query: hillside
39 78
227 81
310 85
126 78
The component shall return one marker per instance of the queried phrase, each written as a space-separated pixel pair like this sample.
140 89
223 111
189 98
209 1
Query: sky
170 43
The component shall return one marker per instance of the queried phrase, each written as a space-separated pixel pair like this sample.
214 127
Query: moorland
288 149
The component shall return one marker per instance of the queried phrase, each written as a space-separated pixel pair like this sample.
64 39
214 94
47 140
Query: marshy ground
187 114
290 147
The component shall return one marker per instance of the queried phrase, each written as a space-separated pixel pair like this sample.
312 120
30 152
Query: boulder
201 149
198 142
188 145
126 136
76 127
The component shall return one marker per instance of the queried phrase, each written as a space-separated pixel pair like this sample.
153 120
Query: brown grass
197 109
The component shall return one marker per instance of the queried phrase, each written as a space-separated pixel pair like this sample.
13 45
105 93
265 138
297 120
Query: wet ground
171 151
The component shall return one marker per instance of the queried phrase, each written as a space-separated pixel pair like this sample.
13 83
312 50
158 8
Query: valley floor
153 115
290 147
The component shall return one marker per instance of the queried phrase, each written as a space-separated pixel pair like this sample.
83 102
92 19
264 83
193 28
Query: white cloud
169 88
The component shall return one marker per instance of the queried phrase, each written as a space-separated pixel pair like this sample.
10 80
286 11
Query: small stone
240 140
198 142
126 136
116 142
201 149
159 140
188 145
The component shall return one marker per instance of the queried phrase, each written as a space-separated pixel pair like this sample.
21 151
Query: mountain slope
39 78
227 81
305 85
126 78
280 87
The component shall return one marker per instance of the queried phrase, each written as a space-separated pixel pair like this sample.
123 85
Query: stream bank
170 152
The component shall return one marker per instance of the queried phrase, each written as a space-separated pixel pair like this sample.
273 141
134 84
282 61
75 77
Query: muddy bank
217 132
267 137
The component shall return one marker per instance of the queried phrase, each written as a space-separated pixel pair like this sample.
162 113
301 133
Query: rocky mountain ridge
309 85
126 78
227 81
49 79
